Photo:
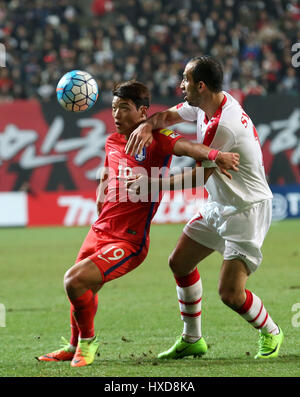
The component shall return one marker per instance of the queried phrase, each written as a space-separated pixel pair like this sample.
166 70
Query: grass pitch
138 314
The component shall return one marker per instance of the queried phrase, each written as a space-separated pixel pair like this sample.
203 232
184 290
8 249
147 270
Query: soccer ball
77 91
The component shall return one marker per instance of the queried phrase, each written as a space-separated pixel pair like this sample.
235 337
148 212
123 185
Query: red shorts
113 257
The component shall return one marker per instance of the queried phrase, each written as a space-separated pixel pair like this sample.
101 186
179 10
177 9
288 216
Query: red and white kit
238 213
119 239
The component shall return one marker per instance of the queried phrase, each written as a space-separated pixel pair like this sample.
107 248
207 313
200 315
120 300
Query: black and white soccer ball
77 91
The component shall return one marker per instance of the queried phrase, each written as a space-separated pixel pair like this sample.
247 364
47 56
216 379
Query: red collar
218 112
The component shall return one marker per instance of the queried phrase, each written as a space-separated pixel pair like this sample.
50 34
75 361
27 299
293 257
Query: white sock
88 339
189 299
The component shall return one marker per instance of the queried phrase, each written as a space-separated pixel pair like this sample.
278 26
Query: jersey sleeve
166 140
187 112
105 165
103 170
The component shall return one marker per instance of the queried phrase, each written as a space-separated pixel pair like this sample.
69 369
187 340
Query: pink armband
212 155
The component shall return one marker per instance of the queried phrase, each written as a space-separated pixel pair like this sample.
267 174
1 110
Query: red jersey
119 216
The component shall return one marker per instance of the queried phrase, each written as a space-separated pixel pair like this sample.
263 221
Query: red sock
74 328
188 280
84 310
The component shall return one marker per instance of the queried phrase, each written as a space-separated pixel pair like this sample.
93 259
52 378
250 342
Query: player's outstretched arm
185 180
224 160
142 135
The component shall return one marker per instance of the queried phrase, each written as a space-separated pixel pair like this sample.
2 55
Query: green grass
138 314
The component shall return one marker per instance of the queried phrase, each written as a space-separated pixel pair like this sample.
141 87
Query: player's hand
227 161
140 137
141 185
137 184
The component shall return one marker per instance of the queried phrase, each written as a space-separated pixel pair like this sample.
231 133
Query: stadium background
49 157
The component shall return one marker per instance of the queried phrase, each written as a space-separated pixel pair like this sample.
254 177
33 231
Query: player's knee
176 265
73 280
172 263
231 297
83 275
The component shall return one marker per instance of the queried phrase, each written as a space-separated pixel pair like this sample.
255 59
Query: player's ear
143 111
201 85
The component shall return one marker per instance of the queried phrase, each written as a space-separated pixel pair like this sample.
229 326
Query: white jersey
231 130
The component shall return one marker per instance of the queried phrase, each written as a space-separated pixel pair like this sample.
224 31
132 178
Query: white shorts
232 232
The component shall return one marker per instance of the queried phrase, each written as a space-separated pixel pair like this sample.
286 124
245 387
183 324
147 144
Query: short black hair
207 69
133 90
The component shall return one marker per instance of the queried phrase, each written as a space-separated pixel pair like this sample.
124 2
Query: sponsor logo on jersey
141 156
168 133
179 105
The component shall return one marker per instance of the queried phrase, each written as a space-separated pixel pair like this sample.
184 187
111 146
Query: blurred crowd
150 40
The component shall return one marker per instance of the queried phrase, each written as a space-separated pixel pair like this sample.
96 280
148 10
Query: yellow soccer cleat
85 352
269 345
182 349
